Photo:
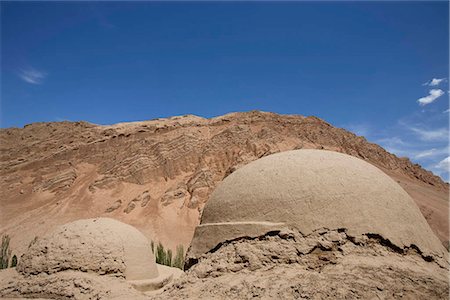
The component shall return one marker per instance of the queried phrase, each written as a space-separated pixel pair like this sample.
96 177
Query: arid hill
157 175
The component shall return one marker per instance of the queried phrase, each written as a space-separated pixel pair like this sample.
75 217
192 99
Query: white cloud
32 75
434 94
439 134
358 129
395 145
435 81
431 153
397 151
446 111
444 164
391 141
415 150
425 153
422 144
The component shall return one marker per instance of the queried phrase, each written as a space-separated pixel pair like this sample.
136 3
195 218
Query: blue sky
363 66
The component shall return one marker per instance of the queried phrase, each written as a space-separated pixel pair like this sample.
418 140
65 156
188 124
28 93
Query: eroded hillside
158 174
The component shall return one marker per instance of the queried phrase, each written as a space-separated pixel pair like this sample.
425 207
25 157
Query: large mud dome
309 190
312 224
87 259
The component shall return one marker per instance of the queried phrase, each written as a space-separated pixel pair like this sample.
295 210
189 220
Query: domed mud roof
309 190
102 246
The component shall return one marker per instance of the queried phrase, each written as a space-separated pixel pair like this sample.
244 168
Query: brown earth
157 175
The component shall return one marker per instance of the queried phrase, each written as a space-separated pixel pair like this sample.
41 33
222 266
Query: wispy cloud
435 81
361 129
433 95
398 151
422 139
431 153
395 145
413 150
423 136
391 141
439 134
32 75
444 164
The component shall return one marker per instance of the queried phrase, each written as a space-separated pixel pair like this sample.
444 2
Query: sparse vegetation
160 254
179 258
14 261
168 258
5 252
165 257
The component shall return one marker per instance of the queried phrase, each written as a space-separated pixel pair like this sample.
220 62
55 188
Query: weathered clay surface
308 190
102 246
87 259
326 264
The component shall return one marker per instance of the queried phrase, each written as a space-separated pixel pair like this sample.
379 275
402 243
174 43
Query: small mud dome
87 259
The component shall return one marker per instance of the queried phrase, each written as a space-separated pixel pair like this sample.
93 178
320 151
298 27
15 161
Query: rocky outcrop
116 205
143 199
56 182
164 145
